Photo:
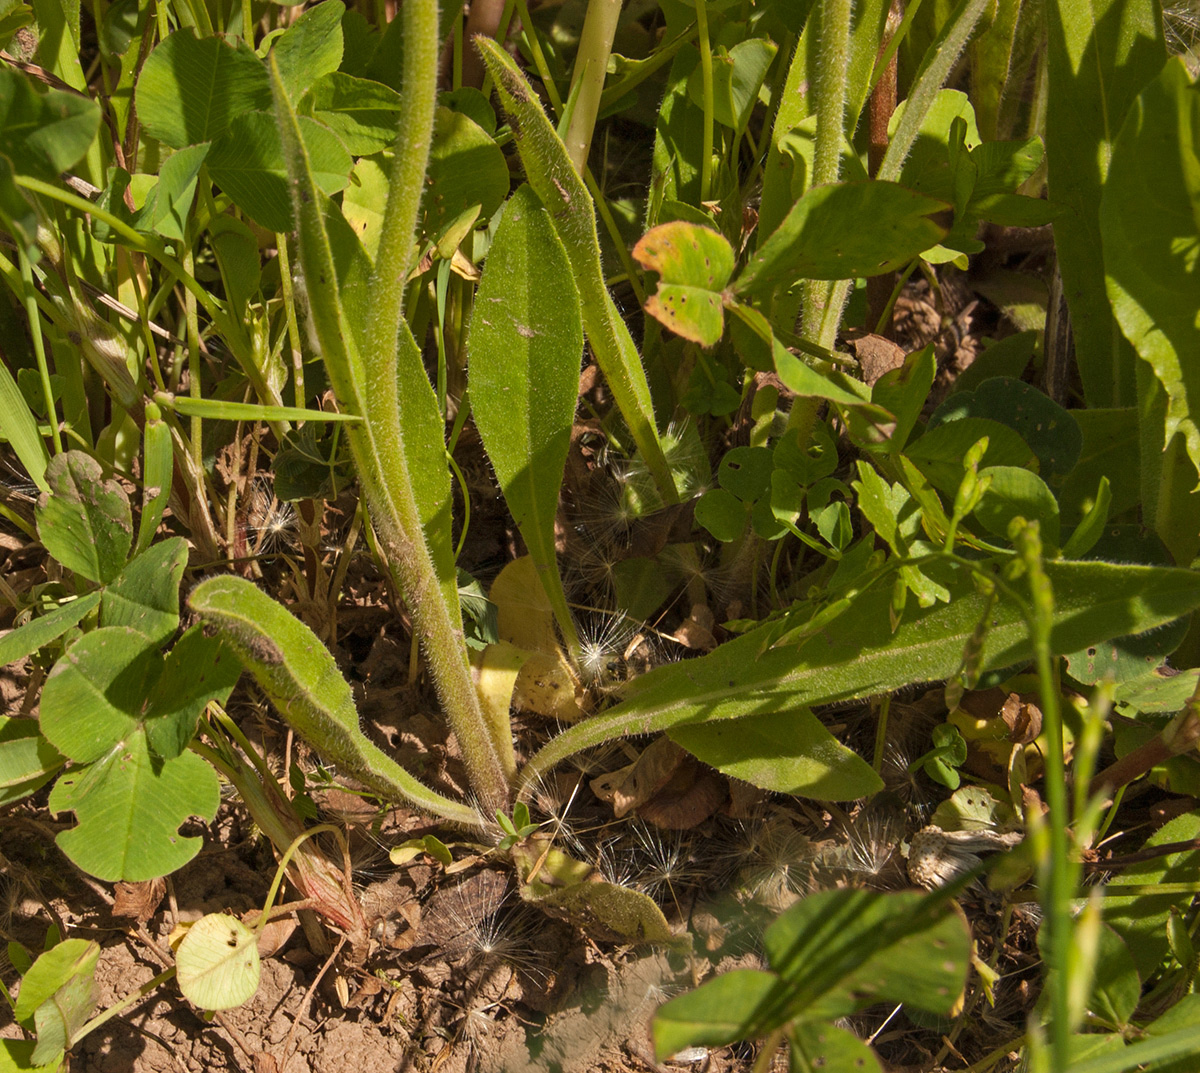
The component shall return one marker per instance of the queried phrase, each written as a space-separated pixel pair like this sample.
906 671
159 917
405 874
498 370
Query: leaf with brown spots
694 265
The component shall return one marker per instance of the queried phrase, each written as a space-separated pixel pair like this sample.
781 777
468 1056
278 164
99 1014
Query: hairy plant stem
939 62
367 382
830 93
706 87
591 65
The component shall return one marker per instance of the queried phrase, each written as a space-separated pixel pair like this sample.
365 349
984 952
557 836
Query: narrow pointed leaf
858 655
555 181
526 343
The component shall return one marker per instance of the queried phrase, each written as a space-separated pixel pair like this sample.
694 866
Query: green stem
830 95
365 371
940 59
706 87
124 1004
29 299
293 325
591 65
1059 885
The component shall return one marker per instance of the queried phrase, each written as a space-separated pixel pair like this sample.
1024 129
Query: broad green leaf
84 521
1016 493
723 1010
823 237
820 1046
310 48
39 632
1182 1017
146 595
94 696
363 201
27 760
299 675
746 472
904 392
839 951
191 89
940 451
788 751
57 1019
16 1056
238 257
722 514
1007 357
197 670
43 131
360 112
526 341
927 168
1110 449
169 203
1124 658
466 168
678 140
1152 243
553 178
52 971
130 806
693 265
246 161
858 654
1141 920
217 961
737 76
1050 431
1101 54
1116 988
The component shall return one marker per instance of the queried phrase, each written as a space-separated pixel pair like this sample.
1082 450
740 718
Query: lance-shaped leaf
1150 223
1100 54
858 655
526 341
555 181
693 264
300 676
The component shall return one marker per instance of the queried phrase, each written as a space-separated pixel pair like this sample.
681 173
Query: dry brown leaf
1022 717
138 901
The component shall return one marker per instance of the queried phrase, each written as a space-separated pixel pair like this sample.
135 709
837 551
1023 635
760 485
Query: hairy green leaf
299 675
858 654
526 342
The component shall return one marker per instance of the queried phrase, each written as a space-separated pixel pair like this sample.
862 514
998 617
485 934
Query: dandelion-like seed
663 864
772 861
602 643
272 522
872 840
